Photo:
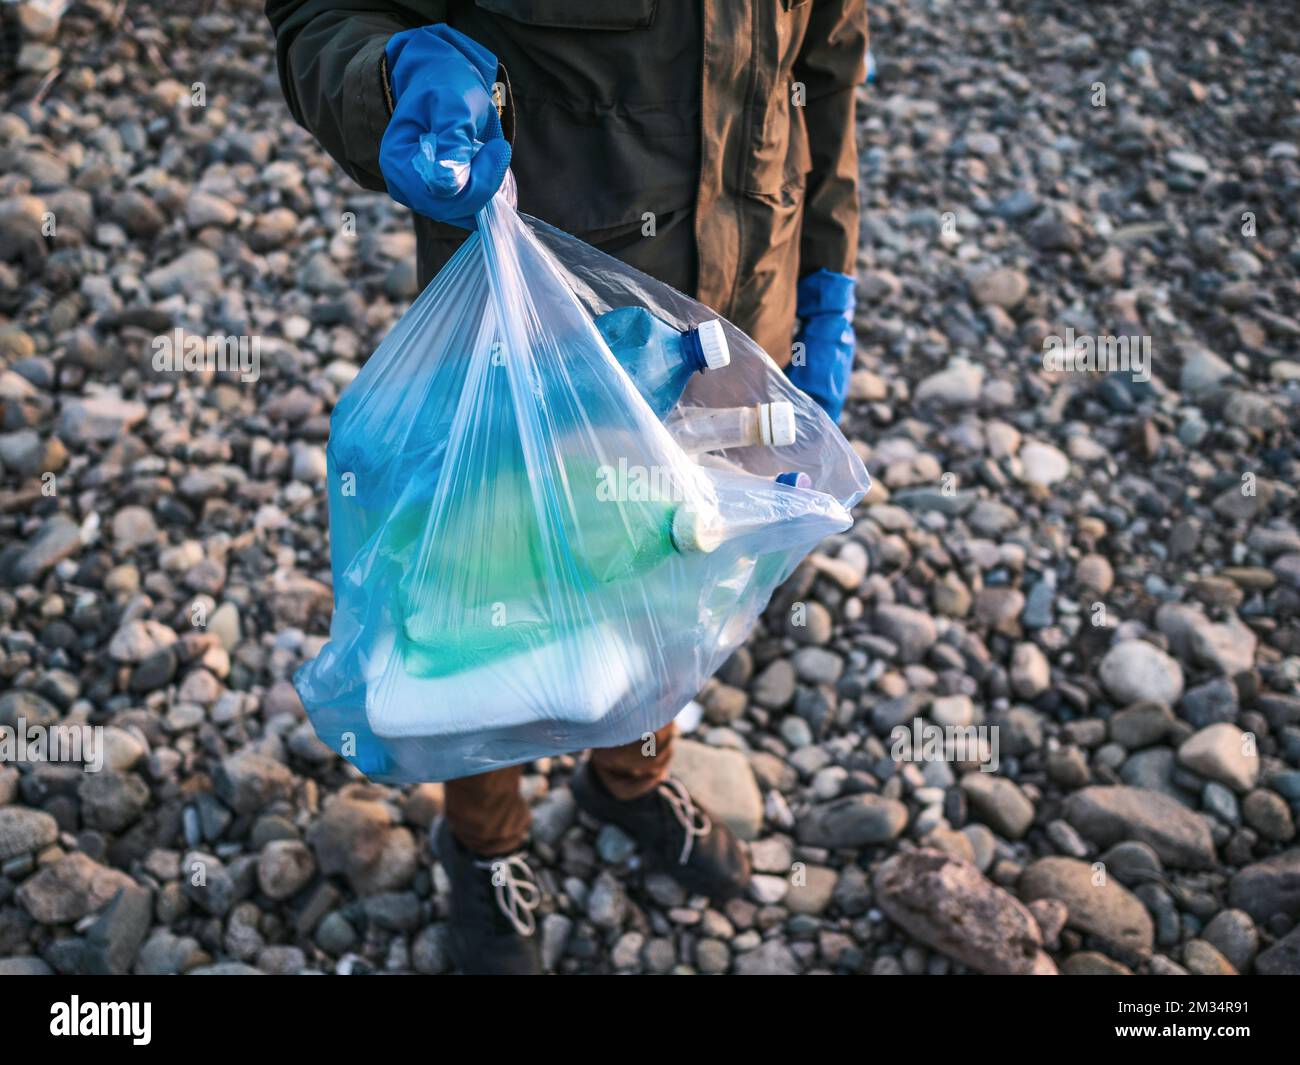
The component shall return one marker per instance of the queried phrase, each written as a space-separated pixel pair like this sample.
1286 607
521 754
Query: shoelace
694 821
516 890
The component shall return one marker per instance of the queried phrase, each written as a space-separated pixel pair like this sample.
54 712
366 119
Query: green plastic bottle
479 583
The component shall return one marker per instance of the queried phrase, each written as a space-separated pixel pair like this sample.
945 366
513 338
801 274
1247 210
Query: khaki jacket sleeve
831 65
330 57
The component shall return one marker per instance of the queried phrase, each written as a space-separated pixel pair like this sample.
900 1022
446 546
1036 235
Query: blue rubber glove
443 153
826 302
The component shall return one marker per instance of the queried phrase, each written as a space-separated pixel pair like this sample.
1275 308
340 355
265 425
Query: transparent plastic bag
524 561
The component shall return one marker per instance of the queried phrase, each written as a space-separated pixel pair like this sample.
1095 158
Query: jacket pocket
575 14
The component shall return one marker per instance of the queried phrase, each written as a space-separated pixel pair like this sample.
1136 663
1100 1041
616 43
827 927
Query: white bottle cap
696 529
776 423
713 343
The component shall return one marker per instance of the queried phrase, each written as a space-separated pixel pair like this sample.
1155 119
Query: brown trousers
488 816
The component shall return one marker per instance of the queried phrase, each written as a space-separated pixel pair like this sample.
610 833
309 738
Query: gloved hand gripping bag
525 563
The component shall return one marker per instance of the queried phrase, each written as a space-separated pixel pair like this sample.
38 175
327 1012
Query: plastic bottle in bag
659 358
700 429
450 622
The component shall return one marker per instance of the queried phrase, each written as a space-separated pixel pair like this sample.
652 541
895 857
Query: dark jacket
731 123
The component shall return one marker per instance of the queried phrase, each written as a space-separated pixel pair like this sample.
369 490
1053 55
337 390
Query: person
708 144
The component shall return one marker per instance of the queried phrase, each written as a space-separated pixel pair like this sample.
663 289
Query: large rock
1098 904
1043 464
853 821
165 954
99 419
112 942
1000 287
951 906
1110 814
999 803
133 527
1178 621
813 891
1234 935
771 958
284 867
56 539
607 902
1227 646
1153 768
912 631
1268 888
1134 670
957 386
196 270
207 882
1204 959
1282 958
70 888
23 453
246 781
112 801
21 709
720 780
1207 703
1141 725
1202 370
296 599
1222 752
1031 673
24 831
356 838
138 639
206 209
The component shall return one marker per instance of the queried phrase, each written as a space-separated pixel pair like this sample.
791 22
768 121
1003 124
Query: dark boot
674 834
491 929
